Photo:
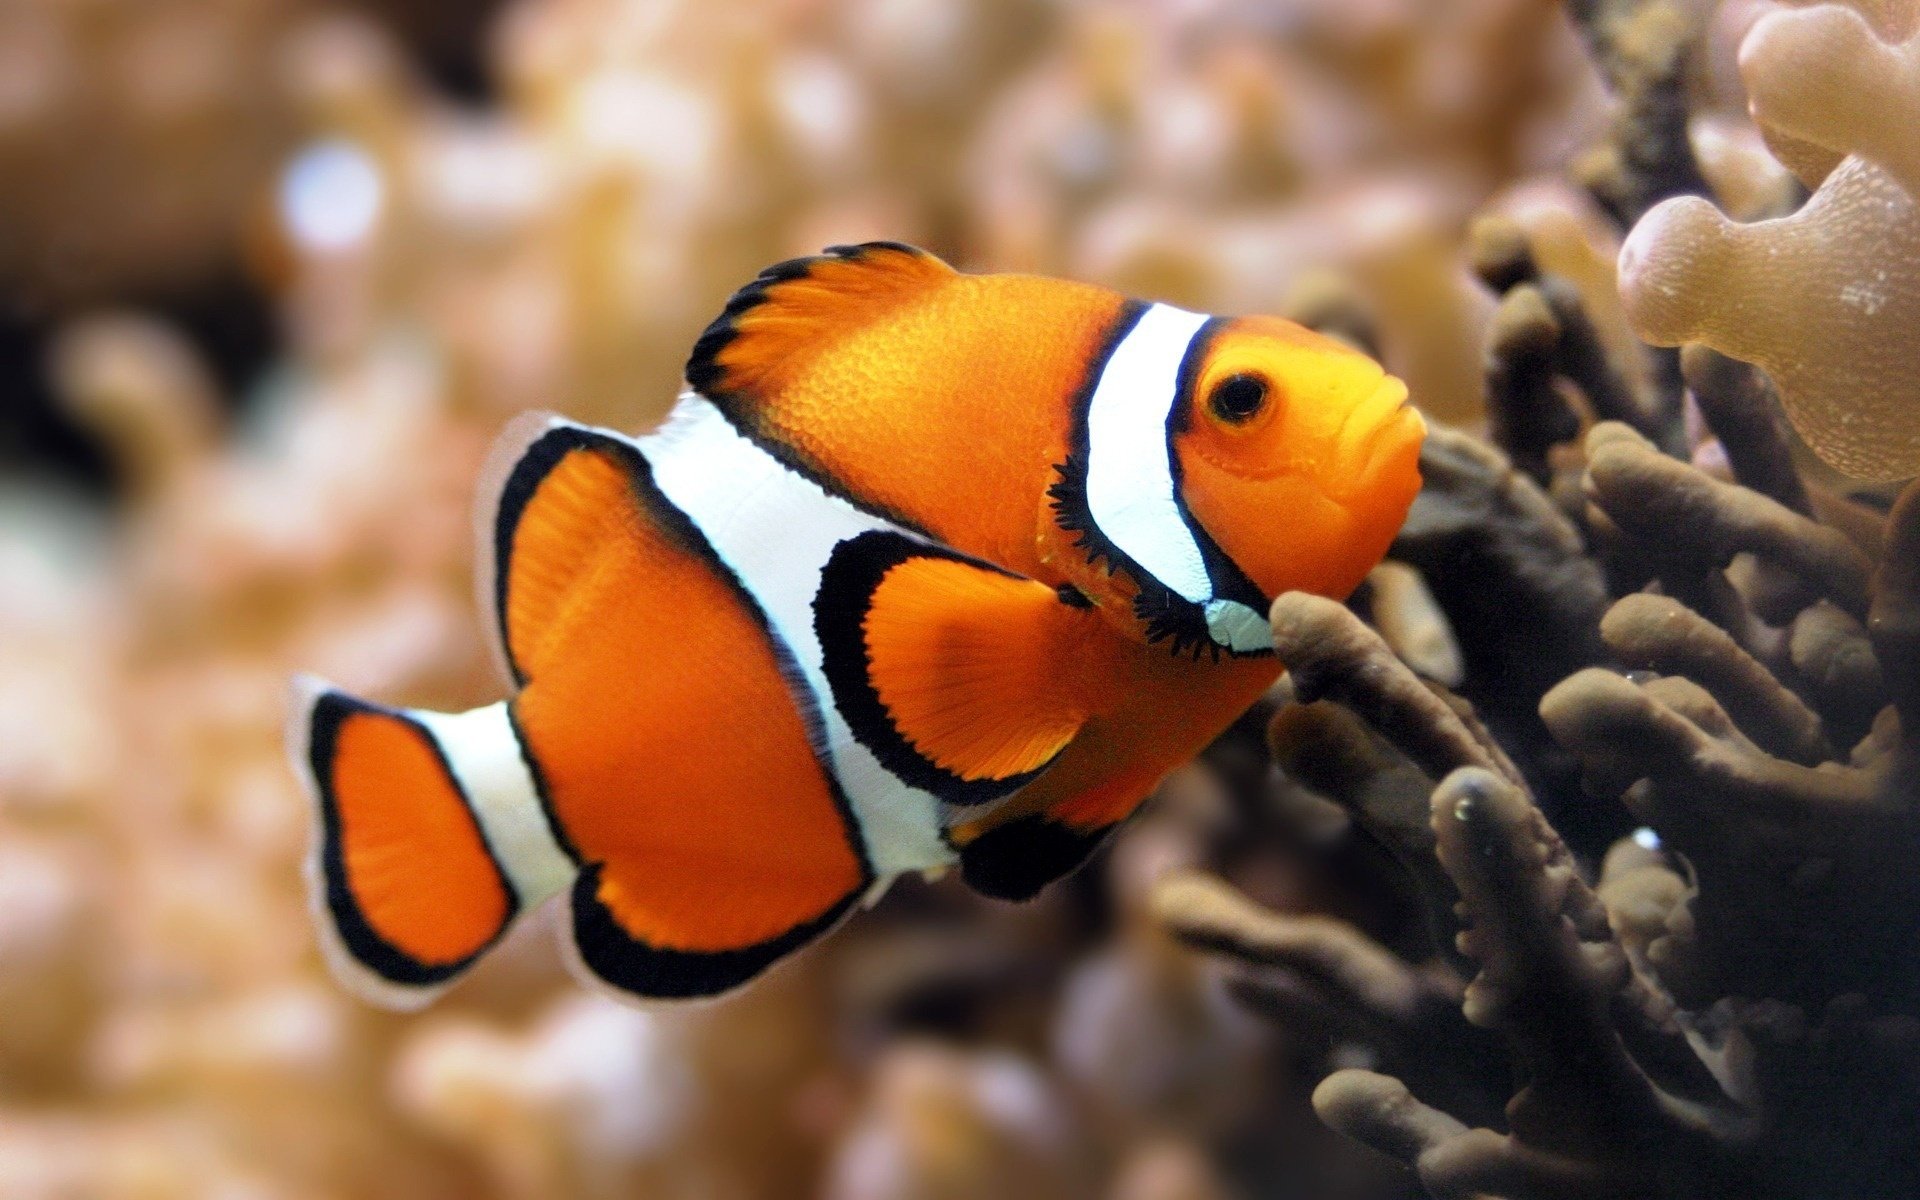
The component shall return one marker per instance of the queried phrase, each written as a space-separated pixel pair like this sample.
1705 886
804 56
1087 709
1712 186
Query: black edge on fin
1015 860
329 712
622 961
704 374
538 773
542 455
540 458
703 368
847 584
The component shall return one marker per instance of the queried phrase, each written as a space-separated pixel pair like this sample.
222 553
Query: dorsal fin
798 307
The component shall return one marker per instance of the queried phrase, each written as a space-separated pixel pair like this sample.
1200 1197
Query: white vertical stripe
484 752
1129 474
776 530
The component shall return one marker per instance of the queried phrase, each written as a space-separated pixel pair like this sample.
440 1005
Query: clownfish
925 568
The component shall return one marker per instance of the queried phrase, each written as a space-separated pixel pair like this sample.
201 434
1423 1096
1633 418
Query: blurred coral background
273 273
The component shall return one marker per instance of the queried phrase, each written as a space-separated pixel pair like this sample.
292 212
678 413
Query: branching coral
1642 47
1510 570
1830 75
1681 1030
1701 1020
1541 335
1607 1063
1820 298
1728 749
1589 1042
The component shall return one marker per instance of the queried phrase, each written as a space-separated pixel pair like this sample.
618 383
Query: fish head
1296 455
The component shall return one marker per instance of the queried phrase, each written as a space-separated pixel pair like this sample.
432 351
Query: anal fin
1015 859
1014 851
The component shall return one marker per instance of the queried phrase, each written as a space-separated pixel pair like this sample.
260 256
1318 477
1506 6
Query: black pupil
1238 397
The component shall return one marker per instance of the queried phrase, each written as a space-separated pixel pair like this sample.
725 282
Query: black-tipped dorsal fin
798 307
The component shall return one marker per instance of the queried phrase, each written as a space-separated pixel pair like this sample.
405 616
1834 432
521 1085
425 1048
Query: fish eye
1238 398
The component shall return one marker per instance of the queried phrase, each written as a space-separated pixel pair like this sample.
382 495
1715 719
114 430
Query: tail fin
430 838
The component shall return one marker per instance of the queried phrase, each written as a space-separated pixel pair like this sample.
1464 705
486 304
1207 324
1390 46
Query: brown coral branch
1657 633
1512 573
1643 893
1805 881
1642 48
1498 252
1210 914
1379 1111
1412 622
1549 319
1327 748
1742 410
1481 531
1330 750
1743 413
1834 658
1716 774
1548 965
1679 514
1864 526
1331 655
1589 1121
1894 619
1583 359
1526 415
1315 975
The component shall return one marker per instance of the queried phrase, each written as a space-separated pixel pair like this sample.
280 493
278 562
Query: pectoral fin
963 679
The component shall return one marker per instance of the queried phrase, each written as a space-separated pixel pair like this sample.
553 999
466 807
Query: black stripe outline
539 459
611 953
1224 575
1067 496
847 583
372 951
1168 616
704 373
631 965
554 825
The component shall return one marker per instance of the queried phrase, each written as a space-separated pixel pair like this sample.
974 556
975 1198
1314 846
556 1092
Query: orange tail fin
430 838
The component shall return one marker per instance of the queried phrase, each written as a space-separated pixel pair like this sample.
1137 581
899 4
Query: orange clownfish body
925 568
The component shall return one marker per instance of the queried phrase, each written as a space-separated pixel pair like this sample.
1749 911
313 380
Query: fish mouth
1374 431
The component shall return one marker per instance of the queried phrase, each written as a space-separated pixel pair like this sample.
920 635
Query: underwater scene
918 600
